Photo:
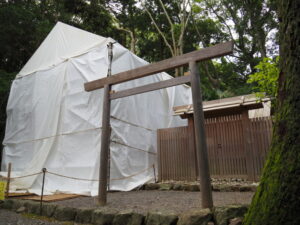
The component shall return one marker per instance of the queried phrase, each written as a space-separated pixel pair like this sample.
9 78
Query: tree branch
171 24
220 18
159 31
184 25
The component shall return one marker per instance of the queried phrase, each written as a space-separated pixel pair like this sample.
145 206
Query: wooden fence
234 151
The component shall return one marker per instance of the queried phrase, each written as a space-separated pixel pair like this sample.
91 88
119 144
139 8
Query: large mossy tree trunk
277 200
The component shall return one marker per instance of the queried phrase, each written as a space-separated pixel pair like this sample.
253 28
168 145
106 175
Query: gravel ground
11 218
139 201
144 201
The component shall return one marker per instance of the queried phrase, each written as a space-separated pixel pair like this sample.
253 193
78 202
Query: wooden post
247 145
200 138
8 179
105 135
105 141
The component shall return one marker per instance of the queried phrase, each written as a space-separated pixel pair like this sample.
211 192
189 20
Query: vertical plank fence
227 154
177 159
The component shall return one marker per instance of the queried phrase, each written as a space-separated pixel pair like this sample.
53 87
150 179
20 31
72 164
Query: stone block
33 207
7 204
161 218
48 209
22 209
103 216
128 217
165 187
192 187
84 215
223 215
236 221
195 217
151 186
64 213
177 187
17 203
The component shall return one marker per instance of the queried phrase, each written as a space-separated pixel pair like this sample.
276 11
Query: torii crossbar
190 59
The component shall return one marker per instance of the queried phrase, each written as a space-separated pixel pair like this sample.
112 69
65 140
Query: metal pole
154 172
200 138
105 136
8 180
42 193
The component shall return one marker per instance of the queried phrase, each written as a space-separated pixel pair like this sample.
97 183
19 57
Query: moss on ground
44 218
37 217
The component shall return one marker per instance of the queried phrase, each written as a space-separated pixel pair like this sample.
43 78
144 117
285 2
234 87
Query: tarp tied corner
53 123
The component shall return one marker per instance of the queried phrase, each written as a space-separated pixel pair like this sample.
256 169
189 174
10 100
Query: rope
73 178
57 135
139 149
132 124
76 178
29 175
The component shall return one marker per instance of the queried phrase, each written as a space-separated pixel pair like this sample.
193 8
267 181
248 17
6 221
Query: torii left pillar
105 135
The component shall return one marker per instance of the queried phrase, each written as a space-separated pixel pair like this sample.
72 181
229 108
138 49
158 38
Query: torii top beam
177 61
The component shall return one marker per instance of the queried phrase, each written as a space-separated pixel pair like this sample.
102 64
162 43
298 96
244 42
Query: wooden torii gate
190 59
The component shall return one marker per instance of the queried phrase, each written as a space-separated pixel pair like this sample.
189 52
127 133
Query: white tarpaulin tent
53 123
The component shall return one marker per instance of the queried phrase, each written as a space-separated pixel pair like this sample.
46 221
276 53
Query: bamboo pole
8 180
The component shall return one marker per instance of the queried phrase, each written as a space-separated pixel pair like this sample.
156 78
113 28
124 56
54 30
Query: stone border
225 187
229 215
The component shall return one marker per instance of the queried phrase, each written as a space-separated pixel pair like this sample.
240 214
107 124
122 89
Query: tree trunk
277 200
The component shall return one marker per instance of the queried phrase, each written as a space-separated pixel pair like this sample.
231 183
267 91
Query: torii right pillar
200 138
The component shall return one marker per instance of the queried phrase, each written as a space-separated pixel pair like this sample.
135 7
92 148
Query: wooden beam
151 87
177 61
200 138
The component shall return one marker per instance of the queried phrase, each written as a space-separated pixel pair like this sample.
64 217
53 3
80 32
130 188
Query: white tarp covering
53 123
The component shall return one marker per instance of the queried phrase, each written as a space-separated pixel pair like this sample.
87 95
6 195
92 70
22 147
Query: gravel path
139 201
144 201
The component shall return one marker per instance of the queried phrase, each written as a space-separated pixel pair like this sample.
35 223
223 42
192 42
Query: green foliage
250 24
265 80
5 82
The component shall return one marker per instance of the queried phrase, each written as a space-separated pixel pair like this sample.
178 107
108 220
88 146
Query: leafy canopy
266 77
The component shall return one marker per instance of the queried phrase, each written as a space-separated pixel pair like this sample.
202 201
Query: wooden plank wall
226 149
261 131
177 159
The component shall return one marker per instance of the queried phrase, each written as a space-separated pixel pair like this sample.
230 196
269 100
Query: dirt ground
144 201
